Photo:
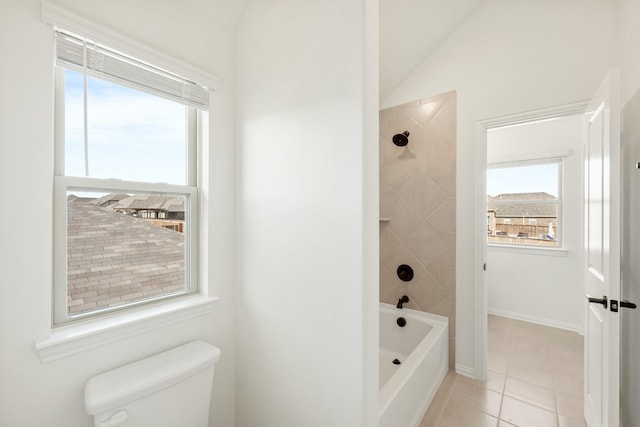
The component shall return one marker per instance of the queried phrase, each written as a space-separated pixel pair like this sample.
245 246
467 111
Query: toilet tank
168 389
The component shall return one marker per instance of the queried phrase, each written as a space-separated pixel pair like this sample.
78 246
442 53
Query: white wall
542 288
629 39
307 182
630 339
52 394
508 56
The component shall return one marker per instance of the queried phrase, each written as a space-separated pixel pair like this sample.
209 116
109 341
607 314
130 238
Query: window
126 194
525 203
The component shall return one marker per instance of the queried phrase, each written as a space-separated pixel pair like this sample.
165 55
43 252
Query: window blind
100 61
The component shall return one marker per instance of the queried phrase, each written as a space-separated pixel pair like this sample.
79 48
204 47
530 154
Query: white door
602 256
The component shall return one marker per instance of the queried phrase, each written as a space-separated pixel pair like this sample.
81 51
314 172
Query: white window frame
63 183
57 342
532 161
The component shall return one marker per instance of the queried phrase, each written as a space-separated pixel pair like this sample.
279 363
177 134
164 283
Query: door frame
481 304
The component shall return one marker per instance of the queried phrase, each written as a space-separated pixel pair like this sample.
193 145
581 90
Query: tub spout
402 300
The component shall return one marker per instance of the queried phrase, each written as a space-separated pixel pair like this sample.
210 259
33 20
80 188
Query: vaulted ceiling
409 30
228 12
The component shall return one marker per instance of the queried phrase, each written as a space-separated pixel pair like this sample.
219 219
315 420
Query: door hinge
484 267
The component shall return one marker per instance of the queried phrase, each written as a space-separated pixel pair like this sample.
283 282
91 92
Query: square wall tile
417 194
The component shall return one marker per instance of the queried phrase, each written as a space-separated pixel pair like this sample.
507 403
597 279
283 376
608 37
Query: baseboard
533 319
466 371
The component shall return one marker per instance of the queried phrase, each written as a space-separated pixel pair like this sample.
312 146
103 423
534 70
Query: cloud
132 135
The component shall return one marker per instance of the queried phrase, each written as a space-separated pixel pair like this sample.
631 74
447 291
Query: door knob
614 304
628 304
602 300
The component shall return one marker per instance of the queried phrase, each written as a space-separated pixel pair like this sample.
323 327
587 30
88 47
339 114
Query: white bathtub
422 347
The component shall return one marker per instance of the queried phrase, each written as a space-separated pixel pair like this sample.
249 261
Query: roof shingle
113 258
526 210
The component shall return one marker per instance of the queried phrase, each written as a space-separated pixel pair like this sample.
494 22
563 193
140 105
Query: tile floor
535 379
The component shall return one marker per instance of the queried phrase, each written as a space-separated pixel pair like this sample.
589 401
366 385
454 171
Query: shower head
401 139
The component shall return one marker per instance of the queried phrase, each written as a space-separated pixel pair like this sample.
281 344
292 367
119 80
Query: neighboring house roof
114 258
146 201
503 209
110 198
175 205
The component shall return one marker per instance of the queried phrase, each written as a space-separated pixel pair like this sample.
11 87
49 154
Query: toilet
168 389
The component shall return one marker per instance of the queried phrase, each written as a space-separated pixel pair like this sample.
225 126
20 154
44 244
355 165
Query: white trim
69 340
62 184
193 135
59 121
537 320
479 369
63 19
542 155
99 184
480 293
528 250
535 115
466 371
558 202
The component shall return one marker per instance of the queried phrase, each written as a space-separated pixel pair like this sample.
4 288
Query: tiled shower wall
418 207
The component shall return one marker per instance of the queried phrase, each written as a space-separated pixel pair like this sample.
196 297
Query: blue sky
523 179
140 137
132 135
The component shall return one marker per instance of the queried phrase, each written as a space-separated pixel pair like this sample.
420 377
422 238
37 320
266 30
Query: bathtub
422 347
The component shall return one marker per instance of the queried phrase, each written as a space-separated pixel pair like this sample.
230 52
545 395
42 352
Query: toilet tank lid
138 379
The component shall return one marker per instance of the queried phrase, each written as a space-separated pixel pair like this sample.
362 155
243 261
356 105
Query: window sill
69 340
528 250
